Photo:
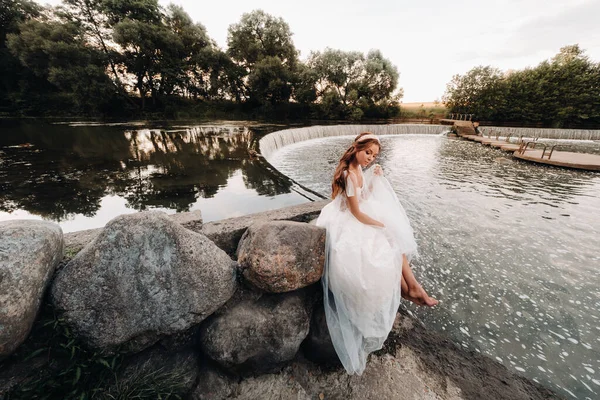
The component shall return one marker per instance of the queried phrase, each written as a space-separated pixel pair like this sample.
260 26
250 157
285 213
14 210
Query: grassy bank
424 110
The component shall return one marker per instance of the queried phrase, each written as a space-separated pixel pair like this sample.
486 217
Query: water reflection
63 173
509 247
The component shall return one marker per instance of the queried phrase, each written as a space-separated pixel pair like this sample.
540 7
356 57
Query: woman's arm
376 170
355 209
361 216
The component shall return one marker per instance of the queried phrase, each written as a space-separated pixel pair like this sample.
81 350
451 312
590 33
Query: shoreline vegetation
129 59
562 92
417 112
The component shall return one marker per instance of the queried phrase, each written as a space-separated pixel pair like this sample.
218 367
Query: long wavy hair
338 185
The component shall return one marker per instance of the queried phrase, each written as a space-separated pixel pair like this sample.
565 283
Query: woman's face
366 156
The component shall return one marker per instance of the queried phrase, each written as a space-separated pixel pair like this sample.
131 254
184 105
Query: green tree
138 10
270 81
217 76
12 13
338 71
262 45
573 84
561 92
304 87
353 81
475 92
259 35
138 30
92 17
167 53
57 55
189 65
380 79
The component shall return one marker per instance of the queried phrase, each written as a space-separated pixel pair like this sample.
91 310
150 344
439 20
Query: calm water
510 248
82 175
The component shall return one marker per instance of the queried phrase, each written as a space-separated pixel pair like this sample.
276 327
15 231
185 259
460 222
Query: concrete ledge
225 233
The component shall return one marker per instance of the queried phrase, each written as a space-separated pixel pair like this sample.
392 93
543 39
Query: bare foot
415 300
417 295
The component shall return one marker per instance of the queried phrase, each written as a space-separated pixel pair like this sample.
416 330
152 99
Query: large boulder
29 253
143 277
75 241
282 256
226 233
257 335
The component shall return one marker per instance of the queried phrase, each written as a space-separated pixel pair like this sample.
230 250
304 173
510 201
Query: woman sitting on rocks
369 245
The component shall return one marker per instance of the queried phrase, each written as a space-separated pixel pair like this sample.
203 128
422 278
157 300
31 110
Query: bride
369 245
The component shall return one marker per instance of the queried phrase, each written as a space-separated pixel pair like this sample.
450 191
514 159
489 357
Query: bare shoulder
352 176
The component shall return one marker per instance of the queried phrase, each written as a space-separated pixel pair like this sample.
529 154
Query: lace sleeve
350 190
368 176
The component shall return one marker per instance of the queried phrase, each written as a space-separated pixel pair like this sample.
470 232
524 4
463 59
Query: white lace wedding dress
363 268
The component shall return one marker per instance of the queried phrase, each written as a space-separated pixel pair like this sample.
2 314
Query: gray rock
282 256
257 335
213 384
29 253
415 364
144 277
227 233
191 220
76 241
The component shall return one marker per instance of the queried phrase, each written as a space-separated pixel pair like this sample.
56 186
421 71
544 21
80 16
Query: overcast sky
429 41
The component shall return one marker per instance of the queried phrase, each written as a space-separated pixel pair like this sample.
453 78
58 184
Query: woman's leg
414 291
403 286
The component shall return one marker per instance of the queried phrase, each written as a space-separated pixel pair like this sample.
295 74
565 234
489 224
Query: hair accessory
367 137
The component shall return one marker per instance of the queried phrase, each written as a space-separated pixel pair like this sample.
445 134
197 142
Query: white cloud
545 34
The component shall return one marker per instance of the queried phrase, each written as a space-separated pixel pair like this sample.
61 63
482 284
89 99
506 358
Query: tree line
128 57
561 92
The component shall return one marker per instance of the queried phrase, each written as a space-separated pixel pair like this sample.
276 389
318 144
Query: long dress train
363 269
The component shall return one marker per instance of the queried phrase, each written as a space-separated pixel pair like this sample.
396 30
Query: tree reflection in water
57 172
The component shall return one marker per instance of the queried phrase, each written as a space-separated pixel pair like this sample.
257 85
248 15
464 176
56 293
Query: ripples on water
510 248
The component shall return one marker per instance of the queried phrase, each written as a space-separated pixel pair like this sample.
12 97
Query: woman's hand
377 170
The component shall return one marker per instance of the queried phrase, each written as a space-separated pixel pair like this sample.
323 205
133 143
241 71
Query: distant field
425 104
424 110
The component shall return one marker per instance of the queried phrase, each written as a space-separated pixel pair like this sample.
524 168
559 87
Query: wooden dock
512 147
522 151
589 162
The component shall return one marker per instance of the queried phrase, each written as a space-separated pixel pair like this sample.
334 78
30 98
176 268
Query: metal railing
524 145
461 117
552 147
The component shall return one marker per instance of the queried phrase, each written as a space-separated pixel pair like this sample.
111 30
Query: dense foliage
561 92
128 57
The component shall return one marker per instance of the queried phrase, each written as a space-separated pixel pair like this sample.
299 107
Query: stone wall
226 309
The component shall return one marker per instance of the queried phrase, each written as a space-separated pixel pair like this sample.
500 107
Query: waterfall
276 140
570 134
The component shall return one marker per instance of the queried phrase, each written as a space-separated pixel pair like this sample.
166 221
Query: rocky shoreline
225 309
